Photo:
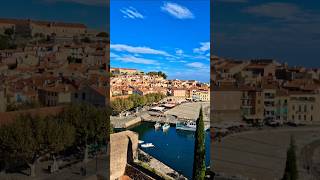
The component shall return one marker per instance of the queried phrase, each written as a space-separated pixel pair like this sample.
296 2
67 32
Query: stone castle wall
119 152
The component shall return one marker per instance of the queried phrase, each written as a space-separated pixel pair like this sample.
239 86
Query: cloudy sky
93 13
169 36
287 30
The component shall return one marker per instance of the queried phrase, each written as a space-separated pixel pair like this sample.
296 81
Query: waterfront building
227 103
304 107
281 103
269 96
252 106
201 95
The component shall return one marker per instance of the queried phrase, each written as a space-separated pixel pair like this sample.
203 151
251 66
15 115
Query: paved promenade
252 153
182 112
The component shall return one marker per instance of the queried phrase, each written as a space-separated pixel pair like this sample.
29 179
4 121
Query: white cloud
205 46
275 10
137 60
177 10
137 50
196 65
179 51
131 13
113 55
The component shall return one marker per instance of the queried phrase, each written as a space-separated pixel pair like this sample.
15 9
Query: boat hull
187 128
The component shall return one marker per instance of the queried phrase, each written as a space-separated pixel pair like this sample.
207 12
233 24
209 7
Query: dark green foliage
30 137
23 106
199 166
291 172
86 40
90 123
102 34
9 32
159 73
4 42
119 105
91 126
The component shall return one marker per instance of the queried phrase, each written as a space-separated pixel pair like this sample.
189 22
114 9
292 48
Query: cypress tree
291 172
199 166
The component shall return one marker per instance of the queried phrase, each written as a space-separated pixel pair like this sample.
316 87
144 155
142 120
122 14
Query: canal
174 148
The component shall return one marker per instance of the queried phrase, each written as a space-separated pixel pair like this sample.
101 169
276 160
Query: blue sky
169 36
93 13
287 30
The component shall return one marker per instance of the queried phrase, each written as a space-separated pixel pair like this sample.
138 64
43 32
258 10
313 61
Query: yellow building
201 95
304 108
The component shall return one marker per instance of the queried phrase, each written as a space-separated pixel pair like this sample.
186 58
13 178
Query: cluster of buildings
53 73
131 81
42 29
264 91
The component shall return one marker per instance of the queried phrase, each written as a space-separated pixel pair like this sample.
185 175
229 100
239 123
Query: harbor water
175 148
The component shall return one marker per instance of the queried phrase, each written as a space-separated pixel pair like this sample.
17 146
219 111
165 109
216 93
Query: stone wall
119 152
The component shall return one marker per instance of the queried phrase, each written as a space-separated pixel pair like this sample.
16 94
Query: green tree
4 42
199 166
291 172
120 104
137 100
102 34
159 73
59 136
29 138
9 32
23 139
86 40
91 126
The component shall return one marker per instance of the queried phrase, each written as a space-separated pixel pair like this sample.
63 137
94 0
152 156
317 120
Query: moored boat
189 126
157 125
166 126
147 145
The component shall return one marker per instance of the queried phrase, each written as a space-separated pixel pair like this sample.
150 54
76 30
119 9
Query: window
311 107
76 95
305 117
293 107
83 96
299 108
305 108
292 117
311 118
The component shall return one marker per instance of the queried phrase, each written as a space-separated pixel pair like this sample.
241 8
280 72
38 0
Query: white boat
147 145
189 126
157 125
166 126
140 142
